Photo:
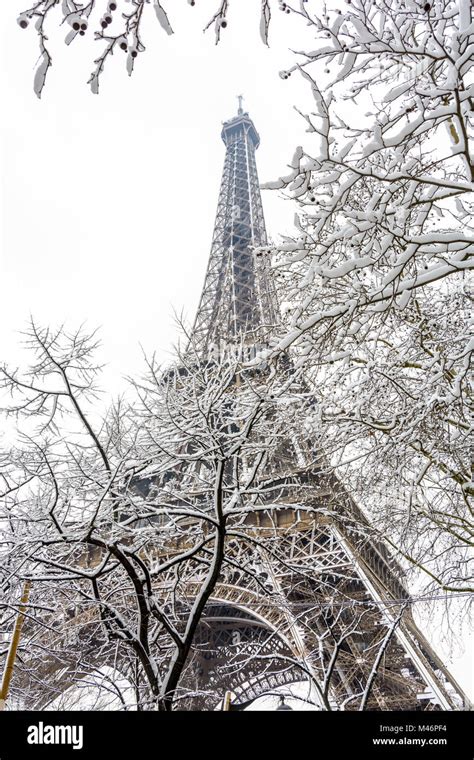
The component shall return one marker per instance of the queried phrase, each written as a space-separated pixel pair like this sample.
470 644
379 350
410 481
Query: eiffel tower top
238 304
233 128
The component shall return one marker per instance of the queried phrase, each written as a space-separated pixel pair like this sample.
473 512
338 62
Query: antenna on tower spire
240 99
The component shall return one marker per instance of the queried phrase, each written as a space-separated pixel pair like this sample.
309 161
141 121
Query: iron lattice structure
238 301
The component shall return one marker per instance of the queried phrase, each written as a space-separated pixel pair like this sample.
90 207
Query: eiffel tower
354 577
341 629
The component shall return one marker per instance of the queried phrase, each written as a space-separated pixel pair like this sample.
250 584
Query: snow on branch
118 25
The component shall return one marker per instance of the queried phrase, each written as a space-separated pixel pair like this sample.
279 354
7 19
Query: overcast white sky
108 201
